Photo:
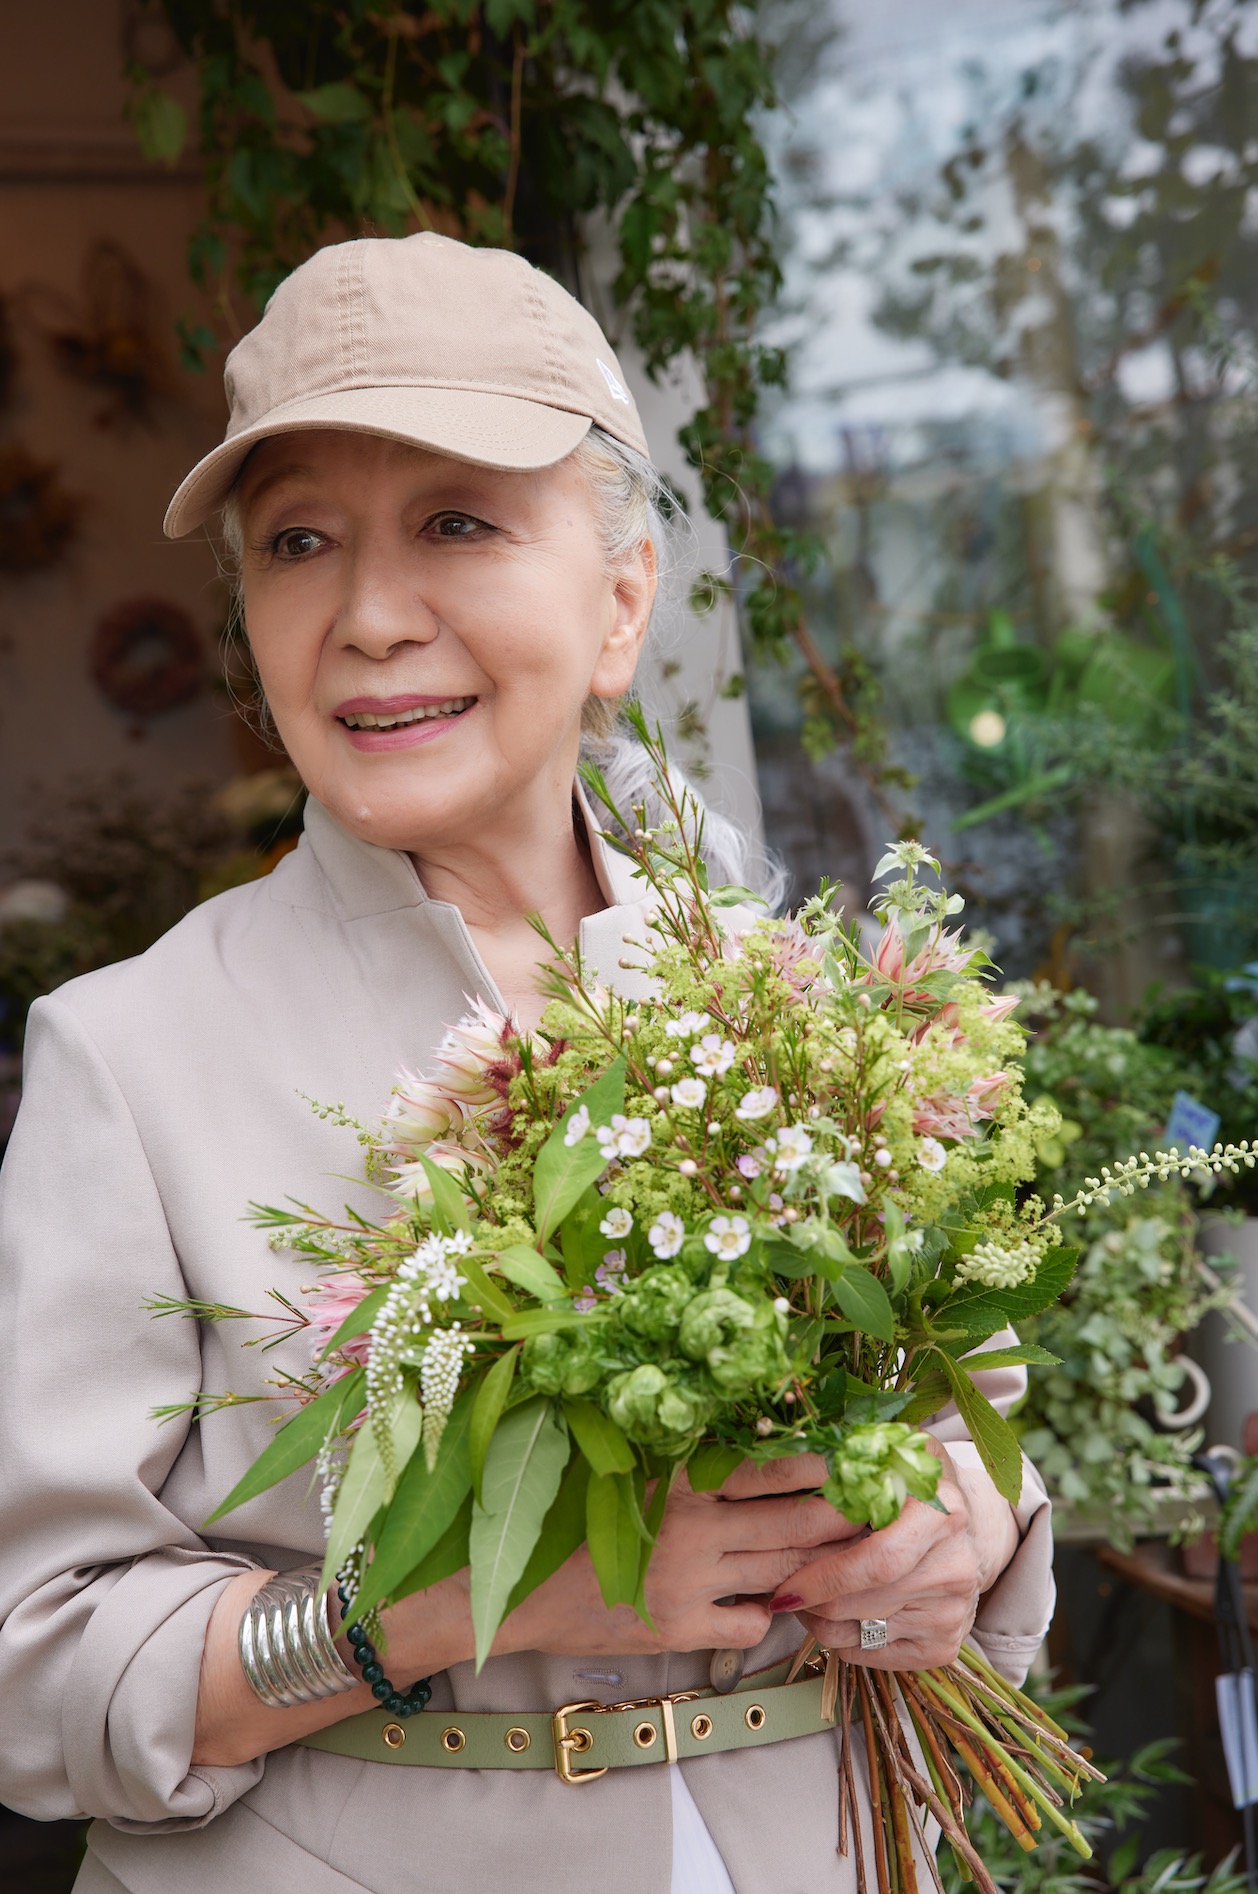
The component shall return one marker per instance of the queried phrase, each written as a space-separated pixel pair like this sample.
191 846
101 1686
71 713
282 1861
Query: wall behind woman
92 244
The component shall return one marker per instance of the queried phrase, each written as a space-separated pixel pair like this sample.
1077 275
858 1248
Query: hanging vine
506 122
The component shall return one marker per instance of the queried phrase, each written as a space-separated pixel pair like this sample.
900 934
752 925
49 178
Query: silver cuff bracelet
286 1647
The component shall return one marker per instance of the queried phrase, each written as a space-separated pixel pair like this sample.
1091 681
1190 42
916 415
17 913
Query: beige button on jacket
162 1095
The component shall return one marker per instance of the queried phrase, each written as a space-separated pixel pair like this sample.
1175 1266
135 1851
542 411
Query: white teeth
366 720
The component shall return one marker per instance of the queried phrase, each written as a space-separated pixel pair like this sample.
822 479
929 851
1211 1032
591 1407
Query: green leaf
364 1489
523 1468
1026 1354
581 1242
995 1439
982 1312
447 1198
612 1528
485 1291
425 1504
599 1438
161 127
491 1398
930 1391
864 1301
357 1322
298 1440
337 104
710 1465
563 1171
524 1267
448 1556
526 1322
563 1531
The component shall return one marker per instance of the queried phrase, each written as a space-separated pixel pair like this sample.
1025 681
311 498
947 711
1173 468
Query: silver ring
873 1634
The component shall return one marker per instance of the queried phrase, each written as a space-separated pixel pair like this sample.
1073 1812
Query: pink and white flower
931 1155
728 1237
690 1094
616 1224
666 1235
713 1055
756 1104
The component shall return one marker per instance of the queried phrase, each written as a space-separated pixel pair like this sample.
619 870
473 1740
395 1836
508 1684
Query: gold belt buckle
573 1742
577 1741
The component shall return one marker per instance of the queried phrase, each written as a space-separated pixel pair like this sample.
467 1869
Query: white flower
616 1223
931 1154
728 1237
713 1055
624 1137
578 1125
439 1376
635 1136
757 1104
781 1305
667 1234
687 1026
998 1267
689 1093
791 1146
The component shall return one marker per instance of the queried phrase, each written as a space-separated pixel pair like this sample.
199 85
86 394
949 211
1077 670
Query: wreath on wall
37 514
146 657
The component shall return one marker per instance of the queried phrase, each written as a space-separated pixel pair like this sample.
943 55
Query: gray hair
632 503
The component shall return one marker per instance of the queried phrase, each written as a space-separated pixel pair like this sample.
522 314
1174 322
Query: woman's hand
708 1550
924 1574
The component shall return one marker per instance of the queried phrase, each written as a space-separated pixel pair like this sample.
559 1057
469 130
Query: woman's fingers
870 1568
766 1572
763 1525
795 1473
920 1648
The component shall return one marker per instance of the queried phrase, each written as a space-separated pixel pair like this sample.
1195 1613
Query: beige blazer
162 1095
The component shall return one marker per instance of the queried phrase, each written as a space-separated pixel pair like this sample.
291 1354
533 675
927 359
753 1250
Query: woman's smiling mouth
393 723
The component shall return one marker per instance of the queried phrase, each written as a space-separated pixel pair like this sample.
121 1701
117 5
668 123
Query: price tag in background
1190 1123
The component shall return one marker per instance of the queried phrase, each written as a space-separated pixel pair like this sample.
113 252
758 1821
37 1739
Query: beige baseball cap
468 352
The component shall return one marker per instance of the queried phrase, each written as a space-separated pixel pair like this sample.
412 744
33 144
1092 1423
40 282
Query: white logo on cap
615 386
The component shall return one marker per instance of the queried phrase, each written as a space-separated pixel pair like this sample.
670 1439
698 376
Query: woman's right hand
737 1545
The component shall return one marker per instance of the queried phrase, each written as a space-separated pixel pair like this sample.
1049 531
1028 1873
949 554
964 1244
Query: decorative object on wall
37 514
146 657
108 340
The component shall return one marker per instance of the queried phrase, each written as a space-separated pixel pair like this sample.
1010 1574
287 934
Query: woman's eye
295 542
456 526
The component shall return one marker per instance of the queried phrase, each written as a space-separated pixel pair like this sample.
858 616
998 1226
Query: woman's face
426 631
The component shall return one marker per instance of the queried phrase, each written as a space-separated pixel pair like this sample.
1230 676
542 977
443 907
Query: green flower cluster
669 1353
875 1470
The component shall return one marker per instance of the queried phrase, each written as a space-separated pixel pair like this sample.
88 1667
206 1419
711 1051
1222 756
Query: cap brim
501 431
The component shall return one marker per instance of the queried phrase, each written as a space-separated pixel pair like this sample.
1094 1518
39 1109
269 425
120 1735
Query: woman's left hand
924 1575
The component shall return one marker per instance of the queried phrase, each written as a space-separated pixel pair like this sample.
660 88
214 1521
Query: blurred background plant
1112 1824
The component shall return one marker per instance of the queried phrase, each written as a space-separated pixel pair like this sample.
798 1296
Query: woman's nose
384 607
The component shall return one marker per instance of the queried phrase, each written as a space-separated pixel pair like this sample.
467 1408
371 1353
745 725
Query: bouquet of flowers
773 1208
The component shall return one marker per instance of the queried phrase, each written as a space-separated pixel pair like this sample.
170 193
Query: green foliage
1240 1510
1114 1808
1211 1031
1090 1423
504 123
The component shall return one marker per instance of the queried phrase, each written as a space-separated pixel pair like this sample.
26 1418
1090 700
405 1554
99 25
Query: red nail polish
789 1601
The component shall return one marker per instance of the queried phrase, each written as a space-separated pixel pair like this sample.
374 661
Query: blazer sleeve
105 1593
1015 1613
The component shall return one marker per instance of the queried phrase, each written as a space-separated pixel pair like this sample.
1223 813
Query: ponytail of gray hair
632 503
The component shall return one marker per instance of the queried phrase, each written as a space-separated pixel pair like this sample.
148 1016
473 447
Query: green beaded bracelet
398 1702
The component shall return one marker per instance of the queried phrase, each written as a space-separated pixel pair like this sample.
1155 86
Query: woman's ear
633 596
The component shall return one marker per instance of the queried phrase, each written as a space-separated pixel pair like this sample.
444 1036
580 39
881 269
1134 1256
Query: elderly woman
438 489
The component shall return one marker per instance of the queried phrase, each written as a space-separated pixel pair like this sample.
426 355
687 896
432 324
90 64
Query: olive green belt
582 1741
